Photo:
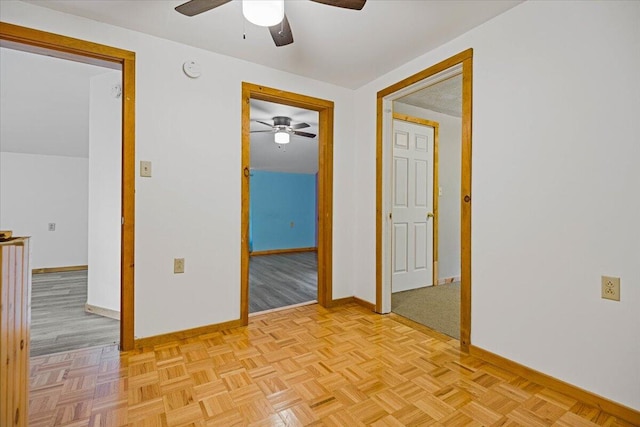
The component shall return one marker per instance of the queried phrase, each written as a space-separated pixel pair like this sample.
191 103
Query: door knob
429 215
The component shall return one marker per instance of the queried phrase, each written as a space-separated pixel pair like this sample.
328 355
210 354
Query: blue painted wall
277 199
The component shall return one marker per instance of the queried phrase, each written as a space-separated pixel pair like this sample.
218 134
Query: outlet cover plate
611 288
178 265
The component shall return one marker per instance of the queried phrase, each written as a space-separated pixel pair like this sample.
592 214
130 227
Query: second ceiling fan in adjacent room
265 13
283 129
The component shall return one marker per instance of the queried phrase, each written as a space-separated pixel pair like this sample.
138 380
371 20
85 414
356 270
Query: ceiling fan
283 129
265 13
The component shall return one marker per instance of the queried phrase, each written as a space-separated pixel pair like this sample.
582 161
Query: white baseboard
101 311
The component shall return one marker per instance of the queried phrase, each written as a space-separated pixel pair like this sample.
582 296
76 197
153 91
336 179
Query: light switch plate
145 169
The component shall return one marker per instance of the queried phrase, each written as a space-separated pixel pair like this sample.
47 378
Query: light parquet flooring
308 365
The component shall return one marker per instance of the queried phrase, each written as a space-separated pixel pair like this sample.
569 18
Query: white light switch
145 169
439 191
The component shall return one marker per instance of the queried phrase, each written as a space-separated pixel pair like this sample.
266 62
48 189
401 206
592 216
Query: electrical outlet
178 265
145 169
611 288
292 224
52 226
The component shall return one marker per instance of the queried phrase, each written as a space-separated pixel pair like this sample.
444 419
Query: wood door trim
325 186
436 127
466 59
32 40
416 120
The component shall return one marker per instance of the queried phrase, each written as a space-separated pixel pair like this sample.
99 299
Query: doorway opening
61 186
256 94
435 112
390 106
282 207
42 43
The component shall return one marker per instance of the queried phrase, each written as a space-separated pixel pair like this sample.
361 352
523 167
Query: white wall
190 130
36 190
449 170
556 101
105 147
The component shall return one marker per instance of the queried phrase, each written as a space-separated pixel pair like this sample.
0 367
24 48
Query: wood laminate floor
281 280
344 366
58 320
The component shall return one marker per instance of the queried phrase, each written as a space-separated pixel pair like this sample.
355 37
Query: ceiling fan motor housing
280 32
282 121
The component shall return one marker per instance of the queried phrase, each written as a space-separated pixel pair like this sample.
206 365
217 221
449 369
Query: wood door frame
36 41
434 178
325 186
465 59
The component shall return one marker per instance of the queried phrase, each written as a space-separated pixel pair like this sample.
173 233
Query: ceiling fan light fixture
281 137
264 13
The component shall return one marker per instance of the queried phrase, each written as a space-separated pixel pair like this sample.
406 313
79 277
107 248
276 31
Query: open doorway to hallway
283 206
324 209
431 295
387 263
60 150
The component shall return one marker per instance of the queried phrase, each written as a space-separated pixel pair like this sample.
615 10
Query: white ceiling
44 104
444 97
344 47
299 156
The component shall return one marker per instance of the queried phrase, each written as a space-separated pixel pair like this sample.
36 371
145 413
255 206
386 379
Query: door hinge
390 215
122 221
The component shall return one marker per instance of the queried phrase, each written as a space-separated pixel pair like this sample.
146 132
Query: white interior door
412 206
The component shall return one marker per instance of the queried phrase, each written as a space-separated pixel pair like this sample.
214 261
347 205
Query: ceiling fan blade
264 123
195 7
281 33
347 4
300 126
305 134
258 131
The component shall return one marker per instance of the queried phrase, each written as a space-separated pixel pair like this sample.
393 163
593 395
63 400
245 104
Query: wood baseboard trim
446 280
350 300
340 301
282 251
366 304
187 333
602 403
59 269
101 311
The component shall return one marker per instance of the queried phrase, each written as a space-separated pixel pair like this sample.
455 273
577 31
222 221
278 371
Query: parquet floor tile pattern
344 366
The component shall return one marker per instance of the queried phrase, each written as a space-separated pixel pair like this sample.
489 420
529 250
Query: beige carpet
437 307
